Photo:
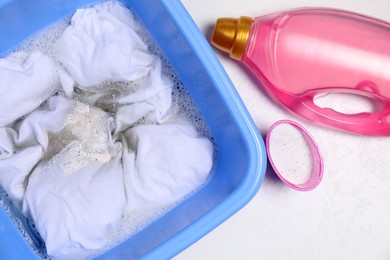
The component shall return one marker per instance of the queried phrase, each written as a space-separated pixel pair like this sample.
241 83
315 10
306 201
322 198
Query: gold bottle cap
231 35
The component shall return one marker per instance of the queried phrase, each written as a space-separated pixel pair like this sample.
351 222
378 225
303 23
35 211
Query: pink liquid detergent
301 54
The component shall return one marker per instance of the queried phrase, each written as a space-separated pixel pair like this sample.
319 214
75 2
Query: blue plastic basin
241 161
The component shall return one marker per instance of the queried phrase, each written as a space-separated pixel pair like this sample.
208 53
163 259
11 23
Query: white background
348 215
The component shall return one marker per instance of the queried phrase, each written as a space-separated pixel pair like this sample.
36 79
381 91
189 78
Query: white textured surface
290 152
347 216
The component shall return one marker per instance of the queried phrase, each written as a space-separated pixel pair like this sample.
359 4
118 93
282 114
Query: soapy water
182 109
23 224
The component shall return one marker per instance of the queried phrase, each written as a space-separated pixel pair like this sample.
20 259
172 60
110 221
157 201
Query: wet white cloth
164 163
74 209
26 81
22 146
76 168
151 101
101 44
77 197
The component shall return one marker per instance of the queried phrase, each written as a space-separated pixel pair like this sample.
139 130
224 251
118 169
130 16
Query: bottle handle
376 123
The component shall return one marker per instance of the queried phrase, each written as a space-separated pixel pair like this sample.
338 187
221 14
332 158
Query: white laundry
67 82
76 167
75 202
77 197
164 163
23 146
152 101
149 99
101 44
26 81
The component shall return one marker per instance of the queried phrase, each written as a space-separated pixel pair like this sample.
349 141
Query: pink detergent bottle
300 54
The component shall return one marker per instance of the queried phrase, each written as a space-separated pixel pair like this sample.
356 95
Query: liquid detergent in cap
301 54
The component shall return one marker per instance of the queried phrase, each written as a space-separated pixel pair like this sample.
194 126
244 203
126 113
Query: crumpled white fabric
75 204
22 146
151 102
26 81
149 99
164 163
77 197
76 169
101 44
